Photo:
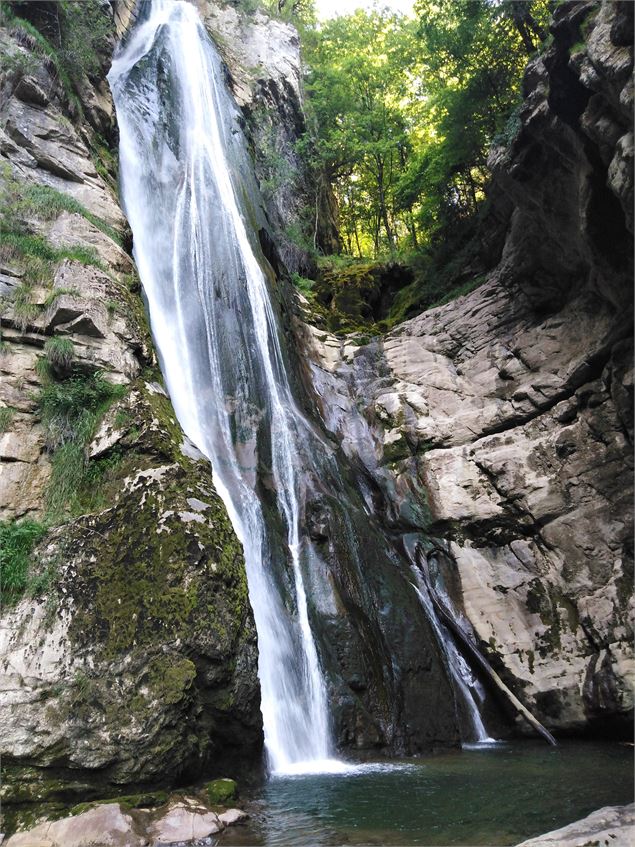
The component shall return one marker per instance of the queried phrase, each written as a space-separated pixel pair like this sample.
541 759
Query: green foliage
74 37
303 284
85 32
70 410
358 133
6 418
402 113
36 41
59 351
17 540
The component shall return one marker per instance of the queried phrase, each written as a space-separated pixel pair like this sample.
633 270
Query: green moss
168 680
137 591
219 791
144 800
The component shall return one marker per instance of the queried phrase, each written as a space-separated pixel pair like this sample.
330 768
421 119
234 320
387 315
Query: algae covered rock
219 791
140 665
358 294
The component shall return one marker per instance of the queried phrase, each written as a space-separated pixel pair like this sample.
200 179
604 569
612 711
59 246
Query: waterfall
329 588
183 180
465 682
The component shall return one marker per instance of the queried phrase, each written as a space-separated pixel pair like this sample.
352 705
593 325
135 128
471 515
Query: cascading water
217 338
327 584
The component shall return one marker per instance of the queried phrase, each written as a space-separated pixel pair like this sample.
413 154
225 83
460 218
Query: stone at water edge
105 826
232 816
614 825
185 822
221 790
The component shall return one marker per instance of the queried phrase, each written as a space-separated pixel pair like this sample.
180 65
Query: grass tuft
59 352
70 411
17 540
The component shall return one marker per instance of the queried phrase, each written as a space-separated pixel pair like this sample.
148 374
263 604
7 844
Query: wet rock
103 826
614 825
184 822
232 816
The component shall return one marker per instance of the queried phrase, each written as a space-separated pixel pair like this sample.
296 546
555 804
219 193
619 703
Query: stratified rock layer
133 659
502 422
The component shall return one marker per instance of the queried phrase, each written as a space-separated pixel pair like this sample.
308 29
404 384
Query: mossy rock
358 296
153 582
219 791
146 800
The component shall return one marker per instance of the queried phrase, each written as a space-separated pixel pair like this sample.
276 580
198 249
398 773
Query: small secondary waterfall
218 339
464 680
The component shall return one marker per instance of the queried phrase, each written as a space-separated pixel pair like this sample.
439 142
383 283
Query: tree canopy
403 111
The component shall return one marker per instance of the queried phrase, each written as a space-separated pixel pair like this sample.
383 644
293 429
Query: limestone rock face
265 73
131 657
500 424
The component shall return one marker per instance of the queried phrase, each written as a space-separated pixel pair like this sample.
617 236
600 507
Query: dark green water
495 796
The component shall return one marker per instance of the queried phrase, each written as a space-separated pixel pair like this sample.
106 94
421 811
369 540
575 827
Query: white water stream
217 337
189 197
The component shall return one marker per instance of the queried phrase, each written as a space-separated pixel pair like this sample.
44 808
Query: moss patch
356 295
219 791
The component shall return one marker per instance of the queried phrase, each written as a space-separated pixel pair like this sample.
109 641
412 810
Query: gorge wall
131 656
500 425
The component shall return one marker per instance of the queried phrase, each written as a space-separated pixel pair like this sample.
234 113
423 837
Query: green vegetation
45 203
401 114
32 256
17 540
404 111
70 410
303 284
6 418
74 38
59 351
219 791
35 260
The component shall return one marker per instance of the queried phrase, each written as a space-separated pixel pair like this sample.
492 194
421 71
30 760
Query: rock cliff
500 425
127 645
498 428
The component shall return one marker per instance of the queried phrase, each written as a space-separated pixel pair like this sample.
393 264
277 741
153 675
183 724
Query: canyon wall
500 424
128 657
